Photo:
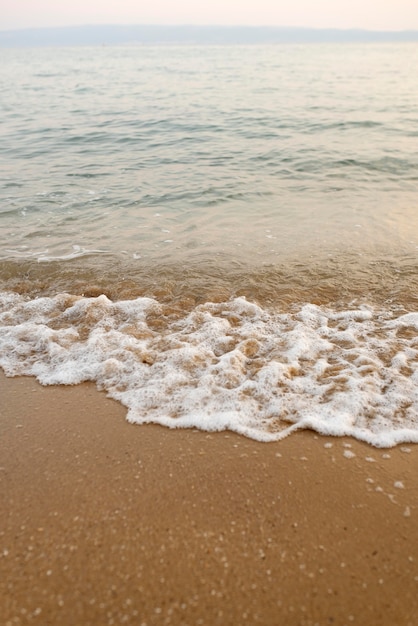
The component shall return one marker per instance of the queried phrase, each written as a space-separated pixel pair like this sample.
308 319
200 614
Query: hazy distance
193 35
323 14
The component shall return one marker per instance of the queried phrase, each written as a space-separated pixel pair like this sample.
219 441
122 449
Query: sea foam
230 365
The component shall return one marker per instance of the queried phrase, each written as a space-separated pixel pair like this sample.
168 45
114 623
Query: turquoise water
216 192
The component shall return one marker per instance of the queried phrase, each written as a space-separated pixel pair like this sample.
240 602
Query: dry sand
102 522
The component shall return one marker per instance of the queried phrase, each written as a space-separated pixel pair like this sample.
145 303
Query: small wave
343 125
228 365
77 252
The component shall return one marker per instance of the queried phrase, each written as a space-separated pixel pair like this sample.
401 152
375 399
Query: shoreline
105 522
386 279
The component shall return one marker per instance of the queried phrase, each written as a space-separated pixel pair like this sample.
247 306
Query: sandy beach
103 522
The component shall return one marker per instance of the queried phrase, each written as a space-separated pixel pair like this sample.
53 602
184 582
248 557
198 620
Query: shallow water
258 154
285 175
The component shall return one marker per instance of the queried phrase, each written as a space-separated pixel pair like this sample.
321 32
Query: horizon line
197 25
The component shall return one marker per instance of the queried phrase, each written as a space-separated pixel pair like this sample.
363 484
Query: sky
367 14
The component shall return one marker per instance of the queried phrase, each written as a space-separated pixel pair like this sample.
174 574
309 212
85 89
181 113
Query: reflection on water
178 155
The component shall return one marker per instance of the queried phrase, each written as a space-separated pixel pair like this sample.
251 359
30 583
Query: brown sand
102 522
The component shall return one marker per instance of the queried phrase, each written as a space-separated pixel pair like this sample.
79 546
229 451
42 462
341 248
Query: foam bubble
228 365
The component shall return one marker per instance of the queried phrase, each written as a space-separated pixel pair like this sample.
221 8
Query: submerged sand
103 522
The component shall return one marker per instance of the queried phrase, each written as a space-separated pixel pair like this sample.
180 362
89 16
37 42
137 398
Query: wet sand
103 522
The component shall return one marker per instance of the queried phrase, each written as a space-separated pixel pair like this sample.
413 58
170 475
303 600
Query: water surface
197 177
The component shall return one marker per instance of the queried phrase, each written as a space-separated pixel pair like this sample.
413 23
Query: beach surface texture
104 522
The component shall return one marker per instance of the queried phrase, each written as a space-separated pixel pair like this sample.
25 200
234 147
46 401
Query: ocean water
219 237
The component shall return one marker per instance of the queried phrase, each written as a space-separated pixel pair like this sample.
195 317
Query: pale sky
369 14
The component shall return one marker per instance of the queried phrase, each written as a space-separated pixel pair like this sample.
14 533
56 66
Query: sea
219 237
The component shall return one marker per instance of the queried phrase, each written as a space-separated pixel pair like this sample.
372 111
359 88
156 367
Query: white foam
230 365
349 454
77 252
